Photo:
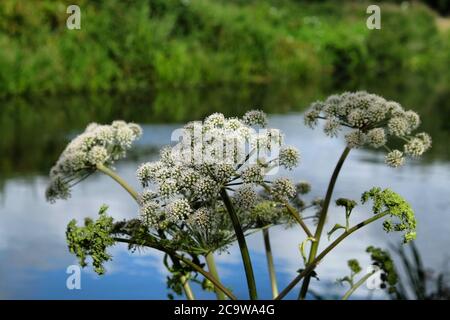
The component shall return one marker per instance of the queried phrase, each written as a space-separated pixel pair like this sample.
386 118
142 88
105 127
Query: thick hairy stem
118 179
356 286
322 219
190 263
270 264
242 245
312 265
213 270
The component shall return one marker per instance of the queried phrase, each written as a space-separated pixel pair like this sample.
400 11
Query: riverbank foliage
142 45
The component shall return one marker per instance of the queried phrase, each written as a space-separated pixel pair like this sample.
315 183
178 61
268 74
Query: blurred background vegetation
142 44
175 60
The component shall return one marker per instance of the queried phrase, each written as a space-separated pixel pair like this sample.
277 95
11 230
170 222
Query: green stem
322 219
312 265
188 262
299 219
242 245
213 270
118 179
187 288
356 285
270 264
293 212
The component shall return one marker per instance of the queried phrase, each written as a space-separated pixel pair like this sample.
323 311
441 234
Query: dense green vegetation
135 45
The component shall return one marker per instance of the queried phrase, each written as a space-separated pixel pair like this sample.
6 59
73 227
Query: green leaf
91 240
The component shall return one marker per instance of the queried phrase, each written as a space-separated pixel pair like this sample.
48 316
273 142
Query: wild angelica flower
213 155
149 213
188 178
245 198
311 117
147 195
223 172
283 189
372 121
255 117
332 127
395 158
206 189
98 144
178 210
355 139
168 188
215 120
148 172
376 137
268 212
253 174
399 126
98 154
289 157
201 219
415 147
426 139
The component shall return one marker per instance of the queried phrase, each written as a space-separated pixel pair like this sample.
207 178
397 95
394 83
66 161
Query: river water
34 255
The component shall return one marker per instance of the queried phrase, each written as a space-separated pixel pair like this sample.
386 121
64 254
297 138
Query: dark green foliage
383 260
387 201
133 45
348 204
91 240
354 266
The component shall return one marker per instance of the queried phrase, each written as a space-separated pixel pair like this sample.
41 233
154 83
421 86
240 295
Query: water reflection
35 130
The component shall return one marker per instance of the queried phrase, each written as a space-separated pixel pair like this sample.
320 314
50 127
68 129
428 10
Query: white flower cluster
211 156
289 157
98 144
283 189
372 121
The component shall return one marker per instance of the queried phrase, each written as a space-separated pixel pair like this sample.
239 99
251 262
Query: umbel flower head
216 154
98 144
370 120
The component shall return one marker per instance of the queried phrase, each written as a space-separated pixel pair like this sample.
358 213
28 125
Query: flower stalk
270 263
242 245
104 169
312 265
322 218
210 262
357 285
